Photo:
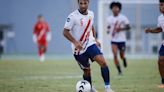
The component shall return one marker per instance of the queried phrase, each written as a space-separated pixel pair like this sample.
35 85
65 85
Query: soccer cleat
161 86
93 89
108 90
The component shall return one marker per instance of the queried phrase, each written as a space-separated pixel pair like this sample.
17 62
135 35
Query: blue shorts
89 54
120 45
161 51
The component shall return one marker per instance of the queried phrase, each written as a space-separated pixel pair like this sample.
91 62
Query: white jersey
81 29
161 23
114 22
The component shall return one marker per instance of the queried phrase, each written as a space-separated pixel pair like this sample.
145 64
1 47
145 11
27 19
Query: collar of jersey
81 13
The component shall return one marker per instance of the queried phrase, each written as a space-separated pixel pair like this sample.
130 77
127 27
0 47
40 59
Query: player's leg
96 55
87 75
161 65
161 70
115 50
122 48
42 50
84 64
104 71
104 68
41 53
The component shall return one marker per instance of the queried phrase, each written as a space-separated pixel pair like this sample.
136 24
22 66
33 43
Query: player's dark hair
79 0
118 4
161 1
40 16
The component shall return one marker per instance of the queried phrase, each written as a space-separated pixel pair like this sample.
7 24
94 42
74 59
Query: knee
115 56
161 59
160 62
103 64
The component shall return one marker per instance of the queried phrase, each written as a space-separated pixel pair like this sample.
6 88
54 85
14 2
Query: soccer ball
83 86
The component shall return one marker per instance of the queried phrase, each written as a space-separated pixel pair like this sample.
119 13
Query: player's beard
83 11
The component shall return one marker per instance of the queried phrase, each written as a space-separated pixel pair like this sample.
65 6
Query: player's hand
78 46
108 32
48 37
147 30
118 29
34 38
98 43
108 29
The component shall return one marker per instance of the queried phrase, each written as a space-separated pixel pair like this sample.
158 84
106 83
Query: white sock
42 58
107 86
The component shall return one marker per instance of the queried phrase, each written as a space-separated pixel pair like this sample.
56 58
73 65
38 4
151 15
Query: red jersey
40 30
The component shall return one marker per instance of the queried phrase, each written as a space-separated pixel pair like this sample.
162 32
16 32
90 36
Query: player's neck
115 15
40 21
83 13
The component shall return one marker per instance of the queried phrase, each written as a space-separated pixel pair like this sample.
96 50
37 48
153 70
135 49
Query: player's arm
126 23
34 34
153 30
125 28
94 35
93 30
49 36
68 35
108 29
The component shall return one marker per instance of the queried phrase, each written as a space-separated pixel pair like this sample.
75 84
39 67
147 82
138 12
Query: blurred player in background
80 32
160 29
117 24
41 36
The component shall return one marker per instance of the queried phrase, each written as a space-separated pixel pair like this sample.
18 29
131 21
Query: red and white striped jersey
40 30
81 28
115 22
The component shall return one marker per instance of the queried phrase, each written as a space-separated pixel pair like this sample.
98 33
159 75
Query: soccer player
41 36
80 32
117 24
160 29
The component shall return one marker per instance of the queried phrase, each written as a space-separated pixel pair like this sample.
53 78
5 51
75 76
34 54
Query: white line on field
50 77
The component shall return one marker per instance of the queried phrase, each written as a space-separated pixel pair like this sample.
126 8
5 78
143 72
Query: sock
107 86
124 59
42 58
105 75
41 55
117 65
125 63
87 78
119 69
162 80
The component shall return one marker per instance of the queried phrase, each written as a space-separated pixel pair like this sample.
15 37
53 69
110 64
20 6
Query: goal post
142 14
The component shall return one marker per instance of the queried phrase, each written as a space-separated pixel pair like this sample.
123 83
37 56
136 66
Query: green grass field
62 75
